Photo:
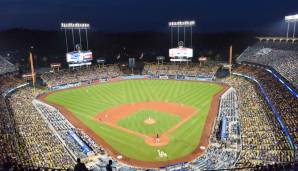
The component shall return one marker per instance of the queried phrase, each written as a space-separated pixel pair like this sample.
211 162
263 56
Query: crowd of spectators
282 56
82 74
8 136
27 140
228 111
6 66
43 148
222 154
62 126
113 71
9 82
263 141
193 70
282 99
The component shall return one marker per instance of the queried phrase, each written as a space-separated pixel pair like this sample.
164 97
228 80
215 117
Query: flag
118 57
142 55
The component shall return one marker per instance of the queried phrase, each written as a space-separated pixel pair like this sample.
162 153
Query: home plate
119 157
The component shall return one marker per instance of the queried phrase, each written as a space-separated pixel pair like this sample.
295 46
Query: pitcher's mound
149 121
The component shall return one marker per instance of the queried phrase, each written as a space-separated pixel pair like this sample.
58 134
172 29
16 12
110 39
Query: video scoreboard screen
181 52
76 57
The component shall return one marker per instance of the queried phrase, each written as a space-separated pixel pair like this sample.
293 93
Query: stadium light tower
79 56
291 19
181 53
184 25
72 27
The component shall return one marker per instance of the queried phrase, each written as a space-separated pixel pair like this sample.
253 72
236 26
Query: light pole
291 19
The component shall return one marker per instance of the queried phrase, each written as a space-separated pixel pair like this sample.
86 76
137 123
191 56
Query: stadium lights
75 25
291 18
182 23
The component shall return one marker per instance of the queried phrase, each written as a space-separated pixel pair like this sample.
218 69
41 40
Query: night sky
149 15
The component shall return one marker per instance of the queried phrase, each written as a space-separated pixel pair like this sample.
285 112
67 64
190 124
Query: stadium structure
169 116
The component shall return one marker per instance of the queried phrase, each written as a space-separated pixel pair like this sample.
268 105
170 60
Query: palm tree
35 60
217 57
45 60
210 53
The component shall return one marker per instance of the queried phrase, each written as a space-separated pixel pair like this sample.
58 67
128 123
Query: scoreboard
76 57
181 52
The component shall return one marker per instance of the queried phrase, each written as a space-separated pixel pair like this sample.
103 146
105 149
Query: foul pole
32 71
230 60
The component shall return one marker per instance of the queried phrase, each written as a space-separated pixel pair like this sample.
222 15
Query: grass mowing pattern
163 122
86 102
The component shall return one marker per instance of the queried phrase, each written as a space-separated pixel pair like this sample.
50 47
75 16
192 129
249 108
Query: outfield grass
163 122
86 102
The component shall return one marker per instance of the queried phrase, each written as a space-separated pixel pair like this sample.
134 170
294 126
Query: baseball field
144 121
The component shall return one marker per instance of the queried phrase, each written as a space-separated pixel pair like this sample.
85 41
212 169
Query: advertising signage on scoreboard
79 57
181 52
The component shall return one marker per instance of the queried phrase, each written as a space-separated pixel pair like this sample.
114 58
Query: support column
80 39
66 41
178 35
294 30
191 37
288 30
73 42
184 36
87 40
171 37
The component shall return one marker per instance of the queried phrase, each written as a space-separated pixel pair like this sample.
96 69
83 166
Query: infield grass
136 122
86 102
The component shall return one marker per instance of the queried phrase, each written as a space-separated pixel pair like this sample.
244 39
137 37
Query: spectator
80 166
109 166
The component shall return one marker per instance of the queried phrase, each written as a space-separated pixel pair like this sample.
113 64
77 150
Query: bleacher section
175 70
262 139
283 102
282 56
6 66
223 154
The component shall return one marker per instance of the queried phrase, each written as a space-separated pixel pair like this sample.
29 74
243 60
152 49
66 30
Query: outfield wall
105 79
